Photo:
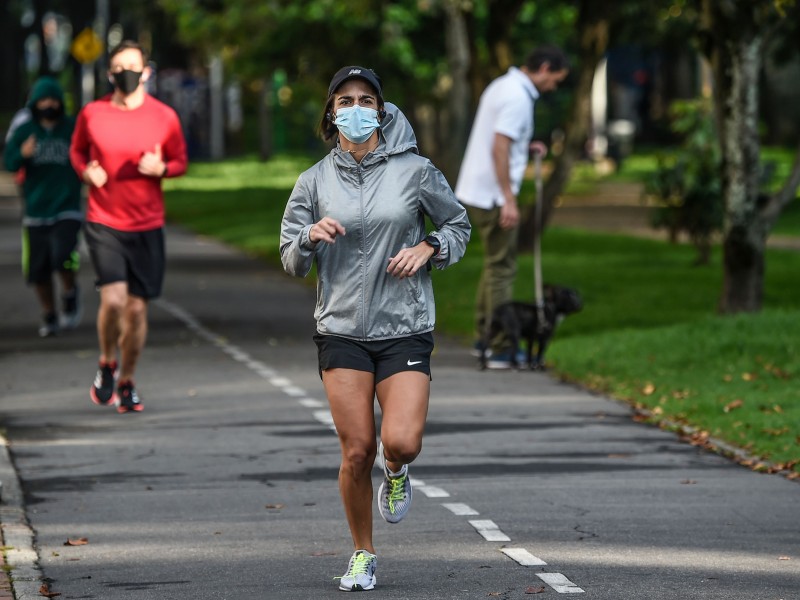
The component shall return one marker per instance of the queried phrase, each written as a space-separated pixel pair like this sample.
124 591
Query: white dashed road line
486 528
460 509
431 491
559 583
324 417
489 530
523 557
310 403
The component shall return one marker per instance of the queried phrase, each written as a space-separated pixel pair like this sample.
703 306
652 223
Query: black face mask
126 81
51 113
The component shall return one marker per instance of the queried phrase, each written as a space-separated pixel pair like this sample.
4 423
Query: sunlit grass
236 174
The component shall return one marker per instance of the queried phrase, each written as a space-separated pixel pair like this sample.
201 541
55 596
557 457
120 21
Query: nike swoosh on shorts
411 363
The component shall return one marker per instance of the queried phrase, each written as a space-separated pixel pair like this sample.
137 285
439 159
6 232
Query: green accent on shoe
397 491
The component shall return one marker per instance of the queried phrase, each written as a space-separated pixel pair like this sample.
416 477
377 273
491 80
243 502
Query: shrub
687 183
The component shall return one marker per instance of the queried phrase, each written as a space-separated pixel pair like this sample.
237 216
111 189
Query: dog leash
537 242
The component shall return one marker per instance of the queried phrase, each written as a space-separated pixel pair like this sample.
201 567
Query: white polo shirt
506 107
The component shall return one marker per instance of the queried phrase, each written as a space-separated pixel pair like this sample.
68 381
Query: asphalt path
225 486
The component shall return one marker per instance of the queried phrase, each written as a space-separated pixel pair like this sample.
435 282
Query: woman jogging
359 214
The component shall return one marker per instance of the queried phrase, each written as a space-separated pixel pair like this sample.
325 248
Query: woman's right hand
325 230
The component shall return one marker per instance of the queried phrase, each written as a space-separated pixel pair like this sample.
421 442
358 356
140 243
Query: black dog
520 321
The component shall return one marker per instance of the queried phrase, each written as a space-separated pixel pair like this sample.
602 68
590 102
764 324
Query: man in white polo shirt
491 175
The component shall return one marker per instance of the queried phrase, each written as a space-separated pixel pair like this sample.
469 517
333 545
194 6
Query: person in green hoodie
52 194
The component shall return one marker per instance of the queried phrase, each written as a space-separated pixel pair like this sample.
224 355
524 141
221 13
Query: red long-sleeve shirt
117 139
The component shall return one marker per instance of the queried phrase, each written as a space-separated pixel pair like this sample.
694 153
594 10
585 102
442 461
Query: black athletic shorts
48 248
137 257
384 358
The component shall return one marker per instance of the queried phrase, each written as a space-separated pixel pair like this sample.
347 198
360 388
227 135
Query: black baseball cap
354 72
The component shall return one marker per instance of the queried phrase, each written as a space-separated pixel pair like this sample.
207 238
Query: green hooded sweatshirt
52 189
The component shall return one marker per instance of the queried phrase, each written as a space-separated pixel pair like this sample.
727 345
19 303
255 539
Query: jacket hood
45 87
397 132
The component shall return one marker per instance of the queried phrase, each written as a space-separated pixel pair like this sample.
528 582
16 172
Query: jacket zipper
359 172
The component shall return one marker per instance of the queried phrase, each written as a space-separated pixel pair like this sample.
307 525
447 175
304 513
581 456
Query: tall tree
593 27
733 34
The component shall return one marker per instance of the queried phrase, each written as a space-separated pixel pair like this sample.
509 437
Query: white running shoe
360 575
394 495
72 309
49 326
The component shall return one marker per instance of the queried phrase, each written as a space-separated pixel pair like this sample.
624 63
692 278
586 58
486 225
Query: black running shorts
384 358
49 248
137 257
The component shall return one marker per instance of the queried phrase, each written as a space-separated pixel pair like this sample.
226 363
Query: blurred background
250 76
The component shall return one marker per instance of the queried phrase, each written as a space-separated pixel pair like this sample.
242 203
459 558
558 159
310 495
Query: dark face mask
51 113
126 81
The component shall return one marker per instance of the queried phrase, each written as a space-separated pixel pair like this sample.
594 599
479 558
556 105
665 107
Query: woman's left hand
408 261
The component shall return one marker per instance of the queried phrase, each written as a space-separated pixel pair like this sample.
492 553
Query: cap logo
354 71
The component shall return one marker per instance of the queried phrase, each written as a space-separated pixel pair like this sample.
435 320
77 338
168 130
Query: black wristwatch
434 243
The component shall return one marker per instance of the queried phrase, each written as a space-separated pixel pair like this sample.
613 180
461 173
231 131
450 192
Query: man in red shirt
123 146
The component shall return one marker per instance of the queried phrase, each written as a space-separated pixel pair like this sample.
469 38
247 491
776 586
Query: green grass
648 333
240 202
733 377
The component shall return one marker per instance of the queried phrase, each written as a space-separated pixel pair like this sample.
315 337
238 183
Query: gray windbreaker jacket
382 203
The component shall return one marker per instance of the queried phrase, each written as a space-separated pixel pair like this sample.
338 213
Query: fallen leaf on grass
535 590
776 371
749 376
738 403
45 591
776 432
274 506
77 542
648 389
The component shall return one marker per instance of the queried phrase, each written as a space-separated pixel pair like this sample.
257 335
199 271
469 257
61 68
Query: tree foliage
402 40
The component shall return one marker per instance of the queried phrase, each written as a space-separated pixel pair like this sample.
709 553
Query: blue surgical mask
356 123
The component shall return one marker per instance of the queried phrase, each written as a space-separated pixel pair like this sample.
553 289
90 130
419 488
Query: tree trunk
459 102
12 38
502 18
743 281
736 55
501 21
593 31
